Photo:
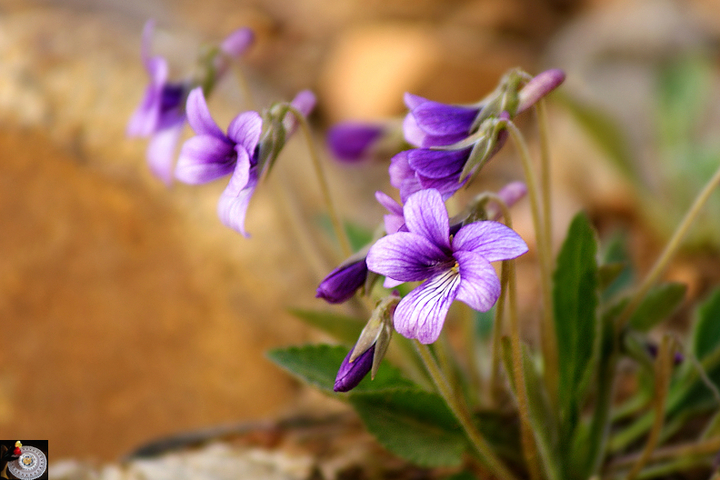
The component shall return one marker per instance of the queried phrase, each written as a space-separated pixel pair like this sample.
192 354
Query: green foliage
605 131
318 365
660 302
343 328
575 301
413 424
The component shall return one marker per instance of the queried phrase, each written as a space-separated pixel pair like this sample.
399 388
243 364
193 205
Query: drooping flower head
451 268
455 141
161 113
212 154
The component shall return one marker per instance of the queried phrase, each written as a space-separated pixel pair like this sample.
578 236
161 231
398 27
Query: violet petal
199 117
425 215
351 374
204 158
421 314
404 257
493 240
479 285
245 130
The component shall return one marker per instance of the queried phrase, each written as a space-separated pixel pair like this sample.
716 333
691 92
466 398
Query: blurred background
129 312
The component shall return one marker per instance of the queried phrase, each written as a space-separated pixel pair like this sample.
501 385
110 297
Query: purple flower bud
342 283
652 349
542 84
510 194
304 102
353 141
351 373
238 42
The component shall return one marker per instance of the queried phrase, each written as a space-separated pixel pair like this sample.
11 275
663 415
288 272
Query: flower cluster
249 147
452 258
161 114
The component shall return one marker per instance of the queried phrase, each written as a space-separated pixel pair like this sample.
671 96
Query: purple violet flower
211 154
453 268
350 373
432 124
414 170
353 141
160 114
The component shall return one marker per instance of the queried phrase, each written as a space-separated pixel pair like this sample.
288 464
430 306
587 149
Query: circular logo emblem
30 465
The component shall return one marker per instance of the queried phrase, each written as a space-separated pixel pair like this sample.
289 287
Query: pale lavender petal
352 141
395 220
304 102
161 152
237 42
542 84
234 201
245 130
405 257
413 101
438 163
400 170
144 121
479 284
421 314
389 203
441 119
146 42
199 117
493 240
413 134
204 158
425 215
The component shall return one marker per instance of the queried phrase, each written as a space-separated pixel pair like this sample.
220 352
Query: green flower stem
457 406
667 254
663 371
521 395
496 383
549 343
545 174
322 180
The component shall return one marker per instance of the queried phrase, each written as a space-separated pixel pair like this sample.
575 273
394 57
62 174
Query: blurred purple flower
161 113
453 268
353 141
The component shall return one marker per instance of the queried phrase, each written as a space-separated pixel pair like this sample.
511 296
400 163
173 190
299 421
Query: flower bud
352 372
342 283
540 85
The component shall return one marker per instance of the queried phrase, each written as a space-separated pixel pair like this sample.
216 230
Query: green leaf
414 425
344 328
615 252
706 331
605 131
661 302
575 300
318 365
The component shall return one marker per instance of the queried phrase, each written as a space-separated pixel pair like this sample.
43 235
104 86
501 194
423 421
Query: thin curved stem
549 343
545 174
663 370
459 409
521 395
324 186
667 254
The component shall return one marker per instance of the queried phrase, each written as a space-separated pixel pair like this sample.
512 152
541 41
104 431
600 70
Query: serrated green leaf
414 425
344 328
660 302
575 300
318 365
